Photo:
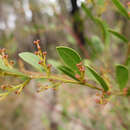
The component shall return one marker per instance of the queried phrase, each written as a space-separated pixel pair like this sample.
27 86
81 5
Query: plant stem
65 81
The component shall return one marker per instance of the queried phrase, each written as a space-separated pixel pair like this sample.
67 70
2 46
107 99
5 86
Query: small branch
33 75
65 81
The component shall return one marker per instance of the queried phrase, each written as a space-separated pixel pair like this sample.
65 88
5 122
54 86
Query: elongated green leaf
99 22
121 8
98 78
122 37
121 76
90 75
128 61
104 28
70 57
13 71
67 71
31 59
88 12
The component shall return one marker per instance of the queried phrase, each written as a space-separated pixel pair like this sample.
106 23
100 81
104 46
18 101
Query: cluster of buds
39 51
101 98
82 72
81 67
2 53
5 87
8 89
37 42
5 58
17 89
42 56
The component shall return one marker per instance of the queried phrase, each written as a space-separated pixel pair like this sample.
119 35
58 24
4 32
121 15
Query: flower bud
12 62
50 80
49 66
54 88
79 64
97 101
82 69
36 42
3 50
5 56
97 94
77 76
17 92
44 53
0 50
3 87
108 93
38 47
128 4
36 52
40 62
84 81
125 90
129 13
46 87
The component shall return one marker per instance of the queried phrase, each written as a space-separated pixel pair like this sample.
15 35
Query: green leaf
128 61
98 78
70 57
99 22
13 71
128 64
67 71
121 76
88 12
90 75
122 37
104 28
31 59
121 8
